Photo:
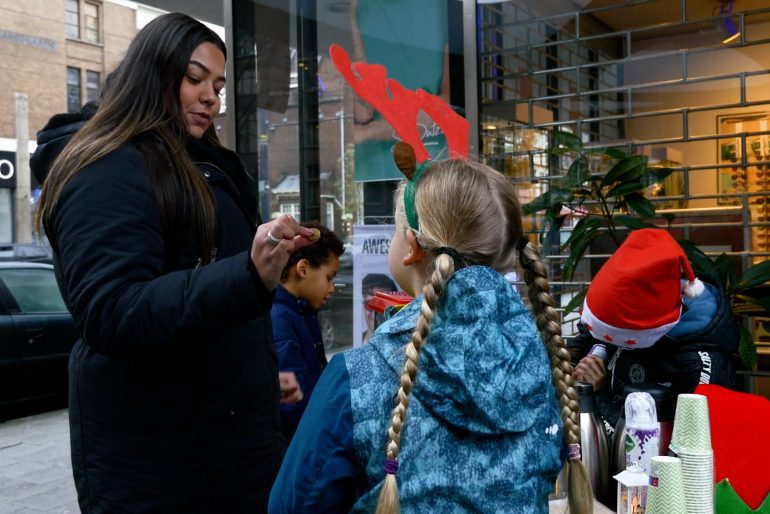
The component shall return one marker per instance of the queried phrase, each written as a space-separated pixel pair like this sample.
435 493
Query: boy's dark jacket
704 356
173 385
297 338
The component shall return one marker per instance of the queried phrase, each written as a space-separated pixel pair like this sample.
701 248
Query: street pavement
35 469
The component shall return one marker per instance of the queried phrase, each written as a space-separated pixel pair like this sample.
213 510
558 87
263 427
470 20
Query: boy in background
306 284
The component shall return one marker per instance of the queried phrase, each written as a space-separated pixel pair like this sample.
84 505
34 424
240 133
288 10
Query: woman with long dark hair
169 273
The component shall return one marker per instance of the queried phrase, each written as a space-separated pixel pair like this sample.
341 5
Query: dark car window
35 290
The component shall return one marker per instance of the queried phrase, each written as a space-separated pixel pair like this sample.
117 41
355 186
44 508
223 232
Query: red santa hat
636 297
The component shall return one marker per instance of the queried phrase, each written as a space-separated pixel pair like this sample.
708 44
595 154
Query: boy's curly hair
317 253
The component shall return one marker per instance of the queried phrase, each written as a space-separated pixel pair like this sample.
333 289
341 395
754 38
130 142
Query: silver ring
272 239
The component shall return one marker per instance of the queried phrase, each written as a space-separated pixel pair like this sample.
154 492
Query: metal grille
651 77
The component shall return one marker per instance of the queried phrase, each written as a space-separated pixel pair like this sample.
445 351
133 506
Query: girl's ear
415 253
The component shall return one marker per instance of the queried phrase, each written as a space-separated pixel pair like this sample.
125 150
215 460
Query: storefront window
685 85
321 152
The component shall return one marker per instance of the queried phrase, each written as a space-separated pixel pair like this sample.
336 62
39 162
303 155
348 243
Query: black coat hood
52 139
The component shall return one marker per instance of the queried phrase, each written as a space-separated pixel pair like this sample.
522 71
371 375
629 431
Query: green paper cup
666 492
692 432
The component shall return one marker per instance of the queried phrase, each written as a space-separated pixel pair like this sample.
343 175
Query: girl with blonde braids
450 407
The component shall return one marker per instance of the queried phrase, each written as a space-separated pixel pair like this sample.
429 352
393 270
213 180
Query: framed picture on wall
737 177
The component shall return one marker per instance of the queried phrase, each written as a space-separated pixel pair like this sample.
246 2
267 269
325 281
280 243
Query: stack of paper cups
666 492
691 441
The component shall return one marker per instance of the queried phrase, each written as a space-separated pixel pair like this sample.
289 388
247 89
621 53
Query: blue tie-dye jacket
482 431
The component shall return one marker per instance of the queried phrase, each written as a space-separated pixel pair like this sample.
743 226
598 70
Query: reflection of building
285 197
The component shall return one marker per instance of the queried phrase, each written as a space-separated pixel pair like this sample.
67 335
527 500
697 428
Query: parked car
36 333
336 317
26 252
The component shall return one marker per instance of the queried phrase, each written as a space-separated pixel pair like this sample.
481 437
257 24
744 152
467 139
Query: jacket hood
483 368
52 139
707 325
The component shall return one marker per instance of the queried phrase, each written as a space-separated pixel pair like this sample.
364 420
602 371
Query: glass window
91 14
291 209
35 290
74 100
72 19
312 142
92 86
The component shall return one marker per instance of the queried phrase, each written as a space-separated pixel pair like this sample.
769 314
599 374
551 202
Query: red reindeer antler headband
402 106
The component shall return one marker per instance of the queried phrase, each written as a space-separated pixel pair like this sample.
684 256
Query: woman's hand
290 390
272 245
591 369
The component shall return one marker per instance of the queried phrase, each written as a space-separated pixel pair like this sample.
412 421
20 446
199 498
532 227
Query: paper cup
698 475
666 492
692 432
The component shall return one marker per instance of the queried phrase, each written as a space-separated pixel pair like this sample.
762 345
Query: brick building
57 53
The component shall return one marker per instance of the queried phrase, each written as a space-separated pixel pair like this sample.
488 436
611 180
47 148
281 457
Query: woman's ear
415 253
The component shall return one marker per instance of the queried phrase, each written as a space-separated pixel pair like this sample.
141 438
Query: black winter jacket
173 385
702 357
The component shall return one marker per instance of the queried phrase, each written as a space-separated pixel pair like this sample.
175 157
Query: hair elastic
391 466
574 451
522 243
454 254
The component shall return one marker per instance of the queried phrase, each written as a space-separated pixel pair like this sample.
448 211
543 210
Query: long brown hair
140 104
474 210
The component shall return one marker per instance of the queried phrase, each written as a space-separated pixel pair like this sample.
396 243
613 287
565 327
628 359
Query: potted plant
748 293
612 203
608 204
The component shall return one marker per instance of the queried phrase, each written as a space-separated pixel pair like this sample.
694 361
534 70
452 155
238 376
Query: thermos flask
593 441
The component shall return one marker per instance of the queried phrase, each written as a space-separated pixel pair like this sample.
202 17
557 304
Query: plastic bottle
642 431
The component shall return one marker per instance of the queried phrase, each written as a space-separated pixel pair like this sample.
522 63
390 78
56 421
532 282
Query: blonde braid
432 293
580 494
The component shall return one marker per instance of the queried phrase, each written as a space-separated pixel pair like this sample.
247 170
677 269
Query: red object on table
740 424
384 299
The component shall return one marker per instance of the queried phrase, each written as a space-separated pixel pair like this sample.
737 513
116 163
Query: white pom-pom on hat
693 289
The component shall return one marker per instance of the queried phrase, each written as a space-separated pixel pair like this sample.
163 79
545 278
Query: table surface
560 507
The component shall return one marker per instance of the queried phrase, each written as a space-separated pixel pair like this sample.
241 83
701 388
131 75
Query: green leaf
547 200
576 253
584 225
762 303
576 175
701 262
581 192
654 175
724 269
624 188
755 275
565 141
641 205
612 153
630 168
747 350
576 302
633 223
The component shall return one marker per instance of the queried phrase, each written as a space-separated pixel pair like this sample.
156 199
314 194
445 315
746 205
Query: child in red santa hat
649 323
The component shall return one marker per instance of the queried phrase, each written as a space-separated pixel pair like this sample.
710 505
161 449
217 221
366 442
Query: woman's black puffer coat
174 384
